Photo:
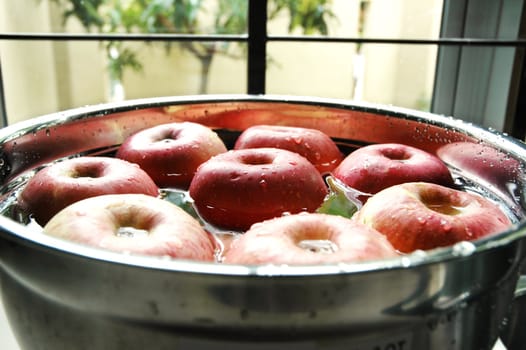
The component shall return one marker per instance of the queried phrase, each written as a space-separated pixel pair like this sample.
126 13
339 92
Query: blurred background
455 57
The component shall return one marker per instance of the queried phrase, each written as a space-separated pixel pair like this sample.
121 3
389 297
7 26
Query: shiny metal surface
513 335
7 338
63 295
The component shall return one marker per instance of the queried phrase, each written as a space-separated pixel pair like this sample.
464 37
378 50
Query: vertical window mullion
515 123
257 46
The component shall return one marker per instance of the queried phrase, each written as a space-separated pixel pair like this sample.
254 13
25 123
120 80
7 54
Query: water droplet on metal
464 248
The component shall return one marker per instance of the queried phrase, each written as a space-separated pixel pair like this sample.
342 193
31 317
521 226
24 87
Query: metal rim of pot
513 147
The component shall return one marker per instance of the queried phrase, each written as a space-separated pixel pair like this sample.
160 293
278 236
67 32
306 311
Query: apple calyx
446 204
86 171
396 154
256 159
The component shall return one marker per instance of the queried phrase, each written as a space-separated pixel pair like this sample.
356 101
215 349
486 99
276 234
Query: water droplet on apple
446 225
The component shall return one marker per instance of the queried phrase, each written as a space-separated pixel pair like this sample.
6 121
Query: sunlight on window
65 74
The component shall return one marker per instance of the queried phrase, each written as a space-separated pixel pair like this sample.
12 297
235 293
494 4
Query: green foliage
187 17
86 11
120 58
172 16
232 17
308 15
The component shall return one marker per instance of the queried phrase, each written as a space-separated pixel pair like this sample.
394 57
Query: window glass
63 74
394 19
390 73
400 75
41 77
181 72
123 16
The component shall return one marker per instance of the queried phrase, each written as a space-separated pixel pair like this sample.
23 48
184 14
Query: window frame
482 84
455 38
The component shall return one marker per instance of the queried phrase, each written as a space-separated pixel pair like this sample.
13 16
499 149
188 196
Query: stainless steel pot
59 295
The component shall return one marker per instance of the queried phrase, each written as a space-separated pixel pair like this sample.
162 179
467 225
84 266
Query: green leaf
231 17
120 58
182 200
342 200
309 15
337 204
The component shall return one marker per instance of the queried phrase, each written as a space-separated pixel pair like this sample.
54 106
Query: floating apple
308 238
63 183
313 144
134 224
374 167
424 216
170 153
240 187
482 162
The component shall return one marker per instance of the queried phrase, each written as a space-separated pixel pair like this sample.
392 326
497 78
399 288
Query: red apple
133 224
424 216
171 153
308 238
372 168
483 162
63 183
313 144
235 189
